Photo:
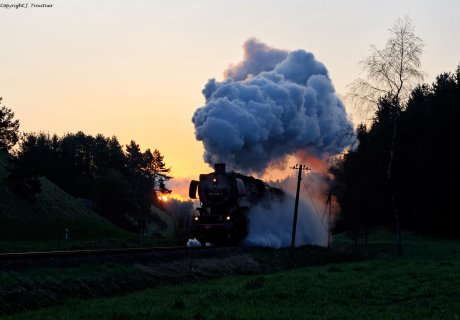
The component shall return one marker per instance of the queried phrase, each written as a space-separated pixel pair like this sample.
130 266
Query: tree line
424 166
402 171
119 183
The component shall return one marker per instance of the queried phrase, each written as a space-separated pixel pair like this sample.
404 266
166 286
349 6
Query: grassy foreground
423 284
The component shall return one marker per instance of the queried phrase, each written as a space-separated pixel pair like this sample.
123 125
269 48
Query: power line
314 206
299 167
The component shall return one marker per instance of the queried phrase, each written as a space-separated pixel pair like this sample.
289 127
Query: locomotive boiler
226 200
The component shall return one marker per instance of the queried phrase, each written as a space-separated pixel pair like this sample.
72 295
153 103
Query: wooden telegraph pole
299 167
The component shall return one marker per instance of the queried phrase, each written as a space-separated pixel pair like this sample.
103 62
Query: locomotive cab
220 219
225 199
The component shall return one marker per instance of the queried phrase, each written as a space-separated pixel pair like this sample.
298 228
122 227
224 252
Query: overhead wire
314 206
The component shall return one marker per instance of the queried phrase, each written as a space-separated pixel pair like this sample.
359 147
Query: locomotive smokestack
219 167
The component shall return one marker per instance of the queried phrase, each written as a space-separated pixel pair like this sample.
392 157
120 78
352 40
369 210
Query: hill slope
48 218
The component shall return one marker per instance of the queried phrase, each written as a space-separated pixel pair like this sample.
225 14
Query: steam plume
272 104
272 226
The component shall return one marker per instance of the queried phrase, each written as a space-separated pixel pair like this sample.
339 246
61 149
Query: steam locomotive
226 199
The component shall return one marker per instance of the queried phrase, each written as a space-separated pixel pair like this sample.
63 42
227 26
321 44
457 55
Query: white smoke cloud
258 57
272 104
272 227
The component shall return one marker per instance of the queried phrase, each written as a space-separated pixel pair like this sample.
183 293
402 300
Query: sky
136 69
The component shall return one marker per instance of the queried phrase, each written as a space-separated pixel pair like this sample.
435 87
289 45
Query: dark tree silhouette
9 129
425 170
155 167
114 198
361 184
392 72
134 158
97 169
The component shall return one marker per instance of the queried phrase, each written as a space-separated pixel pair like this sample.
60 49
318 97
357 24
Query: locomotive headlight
227 218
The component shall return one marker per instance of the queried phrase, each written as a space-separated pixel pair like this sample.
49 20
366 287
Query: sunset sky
135 69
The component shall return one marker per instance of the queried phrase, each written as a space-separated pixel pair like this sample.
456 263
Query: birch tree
391 73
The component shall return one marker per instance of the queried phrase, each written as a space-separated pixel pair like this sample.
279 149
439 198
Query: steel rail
89 252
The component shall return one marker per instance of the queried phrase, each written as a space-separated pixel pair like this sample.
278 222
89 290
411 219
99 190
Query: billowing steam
272 104
272 226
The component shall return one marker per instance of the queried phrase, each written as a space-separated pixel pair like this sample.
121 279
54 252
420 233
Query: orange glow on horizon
179 197
163 198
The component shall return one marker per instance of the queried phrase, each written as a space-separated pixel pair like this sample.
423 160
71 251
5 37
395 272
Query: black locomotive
226 199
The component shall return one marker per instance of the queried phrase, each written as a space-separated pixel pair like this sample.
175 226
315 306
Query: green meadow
422 284
41 226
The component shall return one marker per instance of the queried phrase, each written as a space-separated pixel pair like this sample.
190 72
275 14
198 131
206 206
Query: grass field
41 226
47 219
423 284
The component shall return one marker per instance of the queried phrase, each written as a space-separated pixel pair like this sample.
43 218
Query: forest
121 184
424 167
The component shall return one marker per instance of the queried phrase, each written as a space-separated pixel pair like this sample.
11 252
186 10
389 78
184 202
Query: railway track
40 279
69 259
82 253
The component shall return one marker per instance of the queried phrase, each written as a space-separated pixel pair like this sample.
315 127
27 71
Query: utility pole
299 167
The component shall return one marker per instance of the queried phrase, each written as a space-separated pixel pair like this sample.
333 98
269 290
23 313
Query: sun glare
163 198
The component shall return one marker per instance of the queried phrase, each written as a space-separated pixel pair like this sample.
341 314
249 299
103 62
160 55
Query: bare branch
393 70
